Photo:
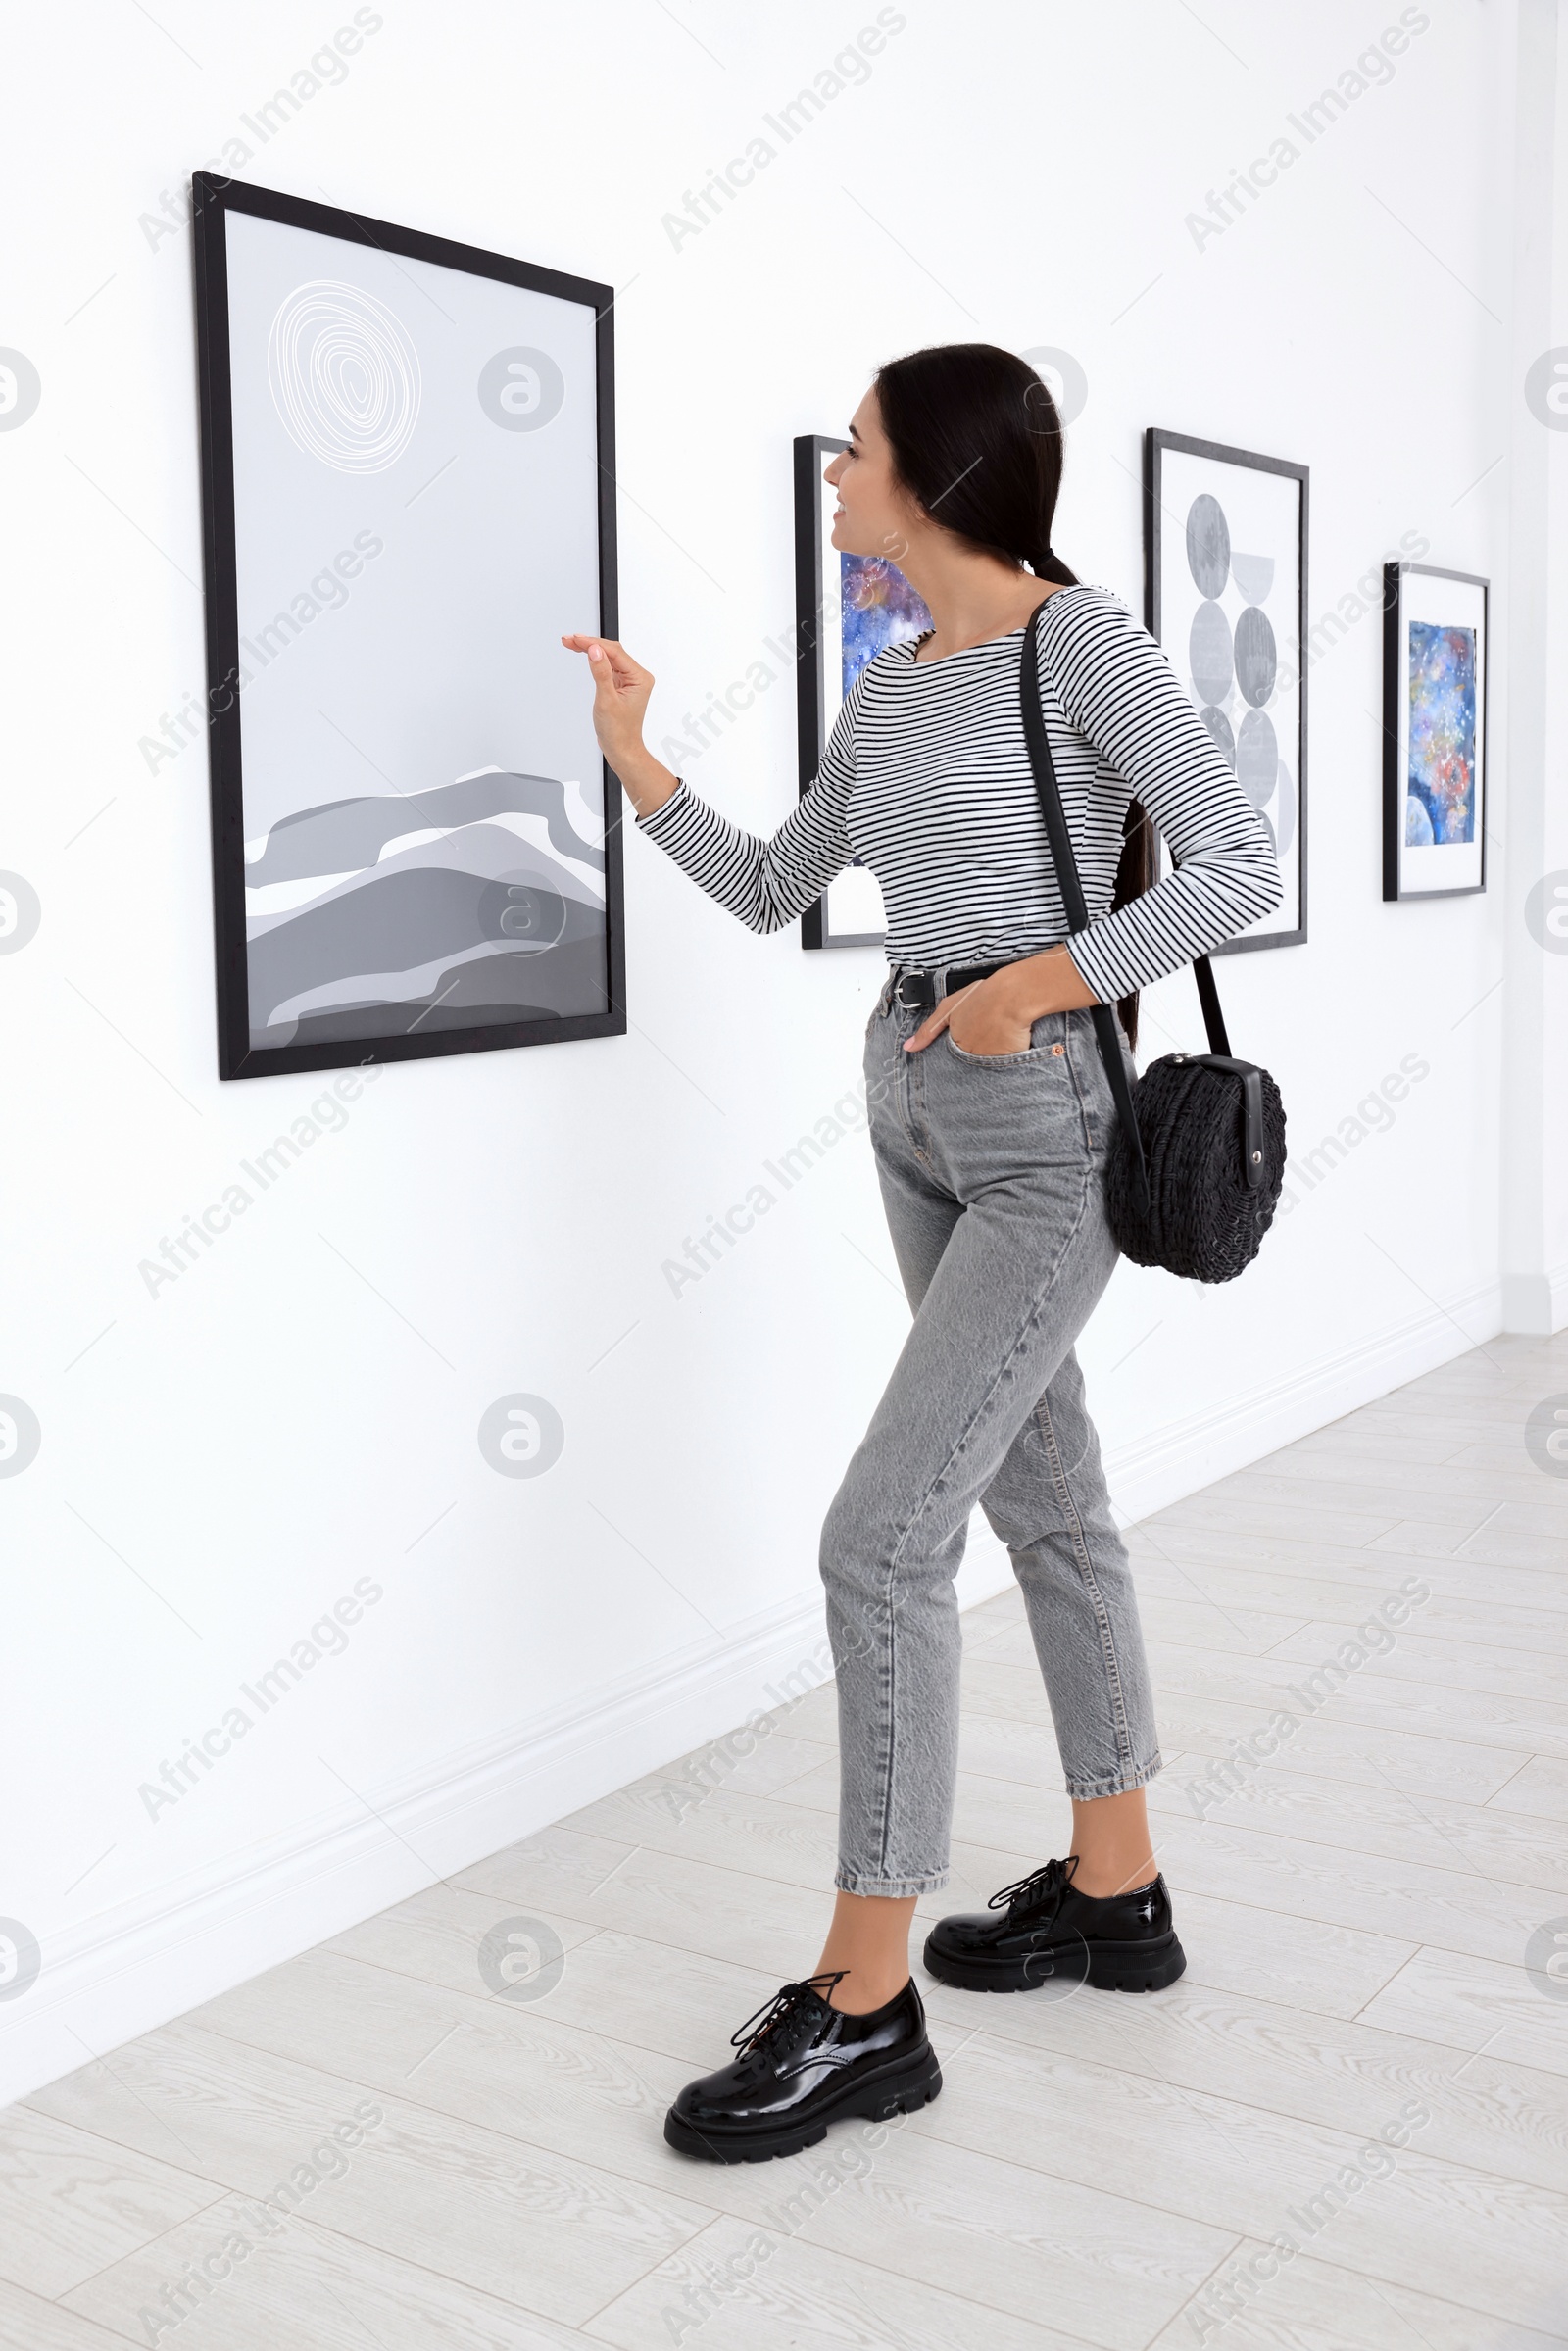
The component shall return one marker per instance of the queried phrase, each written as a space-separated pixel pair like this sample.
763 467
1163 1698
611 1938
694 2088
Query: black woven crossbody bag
1194 1176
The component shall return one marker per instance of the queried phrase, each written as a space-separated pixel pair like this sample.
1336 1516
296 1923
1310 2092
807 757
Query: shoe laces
1040 1887
784 2004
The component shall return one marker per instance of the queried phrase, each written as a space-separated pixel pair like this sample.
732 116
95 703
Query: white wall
219 1463
1534 994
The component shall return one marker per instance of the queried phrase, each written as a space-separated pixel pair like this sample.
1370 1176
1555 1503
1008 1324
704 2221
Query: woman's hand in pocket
982 1020
998 1015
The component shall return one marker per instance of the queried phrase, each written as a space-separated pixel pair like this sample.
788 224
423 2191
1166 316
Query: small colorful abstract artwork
1434 659
1441 784
880 609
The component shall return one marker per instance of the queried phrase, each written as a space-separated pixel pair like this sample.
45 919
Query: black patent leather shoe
1043 1931
802 2065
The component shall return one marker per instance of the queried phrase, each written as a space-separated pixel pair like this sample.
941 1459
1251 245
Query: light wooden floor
1097 2166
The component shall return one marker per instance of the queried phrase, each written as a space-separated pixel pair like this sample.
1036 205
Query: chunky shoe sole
902 2089
1108 1965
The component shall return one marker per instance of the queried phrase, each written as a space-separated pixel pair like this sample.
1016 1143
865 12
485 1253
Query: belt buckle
910 1004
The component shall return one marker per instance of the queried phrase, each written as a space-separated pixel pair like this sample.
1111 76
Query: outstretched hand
622 687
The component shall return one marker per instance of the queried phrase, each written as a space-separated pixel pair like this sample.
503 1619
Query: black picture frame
1396 706
812 451
212 200
1158 444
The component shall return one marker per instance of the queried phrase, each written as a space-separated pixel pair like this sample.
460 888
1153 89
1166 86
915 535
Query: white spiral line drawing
344 376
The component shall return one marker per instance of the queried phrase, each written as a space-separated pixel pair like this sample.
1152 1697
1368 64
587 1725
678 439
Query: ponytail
1051 566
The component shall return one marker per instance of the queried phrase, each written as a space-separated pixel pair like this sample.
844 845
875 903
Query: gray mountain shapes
476 925
345 834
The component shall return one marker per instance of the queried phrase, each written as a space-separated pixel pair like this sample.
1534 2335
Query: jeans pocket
1045 1046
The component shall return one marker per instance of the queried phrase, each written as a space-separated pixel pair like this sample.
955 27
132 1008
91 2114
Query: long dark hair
977 442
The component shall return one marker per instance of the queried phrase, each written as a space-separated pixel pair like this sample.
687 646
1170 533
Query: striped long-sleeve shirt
927 779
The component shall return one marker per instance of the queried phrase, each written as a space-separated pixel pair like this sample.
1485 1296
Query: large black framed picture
847 608
1225 541
1437 653
408 460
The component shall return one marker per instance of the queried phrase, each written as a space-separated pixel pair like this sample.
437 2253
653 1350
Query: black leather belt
917 991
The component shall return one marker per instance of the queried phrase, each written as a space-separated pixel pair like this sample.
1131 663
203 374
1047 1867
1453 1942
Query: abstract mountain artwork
407 470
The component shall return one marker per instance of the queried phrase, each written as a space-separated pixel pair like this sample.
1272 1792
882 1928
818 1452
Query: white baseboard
136 1968
1536 1305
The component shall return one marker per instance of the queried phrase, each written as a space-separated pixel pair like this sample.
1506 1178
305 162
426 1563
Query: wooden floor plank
1540 1789
1487 2112
1328 1749
438 1936
1483 1915
483 2207
764 2290
30 2322
1475 2004
1204 1553
308 2286
1257 2173
1257 2302
70 2200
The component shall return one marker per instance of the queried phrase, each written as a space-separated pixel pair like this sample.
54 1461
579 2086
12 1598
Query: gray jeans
991 1172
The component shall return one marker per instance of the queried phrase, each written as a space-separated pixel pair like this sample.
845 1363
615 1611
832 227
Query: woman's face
875 514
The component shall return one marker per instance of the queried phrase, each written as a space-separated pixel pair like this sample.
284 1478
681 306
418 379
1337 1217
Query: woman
990 1119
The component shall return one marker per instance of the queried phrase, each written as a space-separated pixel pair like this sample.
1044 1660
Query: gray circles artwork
1256 657
1220 727
1210 652
1257 756
1244 657
1208 545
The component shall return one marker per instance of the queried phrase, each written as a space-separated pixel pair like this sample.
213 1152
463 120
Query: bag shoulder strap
1077 911
1061 849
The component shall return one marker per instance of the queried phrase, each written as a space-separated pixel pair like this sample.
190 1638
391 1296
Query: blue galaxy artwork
880 609
1439 804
